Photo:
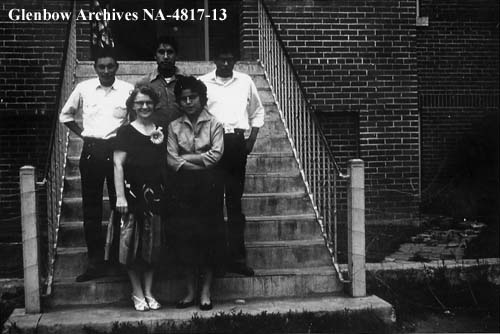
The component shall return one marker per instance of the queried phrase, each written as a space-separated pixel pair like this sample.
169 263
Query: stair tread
270 174
251 244
253 154
285 243
319 270
307 216
246 195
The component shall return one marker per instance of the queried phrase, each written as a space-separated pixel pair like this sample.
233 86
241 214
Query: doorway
198 37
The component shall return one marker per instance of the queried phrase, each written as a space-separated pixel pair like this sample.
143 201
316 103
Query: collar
112 87
213 78
155 74
203 117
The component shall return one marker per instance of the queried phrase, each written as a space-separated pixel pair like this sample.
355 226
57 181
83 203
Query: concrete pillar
30 240
356 227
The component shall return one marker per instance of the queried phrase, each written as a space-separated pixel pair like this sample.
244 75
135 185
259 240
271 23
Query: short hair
224 50
143 89
106 52
195 85
167 40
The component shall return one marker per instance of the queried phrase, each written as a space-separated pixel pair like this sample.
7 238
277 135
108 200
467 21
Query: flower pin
157 136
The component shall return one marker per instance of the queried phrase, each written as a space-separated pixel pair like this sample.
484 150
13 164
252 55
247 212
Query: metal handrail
58 150
317 163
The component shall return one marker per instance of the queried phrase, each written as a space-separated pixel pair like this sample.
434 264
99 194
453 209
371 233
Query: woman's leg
148 282
205 296
135 280
148 285
190 286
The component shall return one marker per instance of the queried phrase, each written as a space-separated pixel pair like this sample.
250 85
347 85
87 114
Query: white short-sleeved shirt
102 108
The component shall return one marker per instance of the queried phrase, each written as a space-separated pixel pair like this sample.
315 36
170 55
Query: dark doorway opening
135 40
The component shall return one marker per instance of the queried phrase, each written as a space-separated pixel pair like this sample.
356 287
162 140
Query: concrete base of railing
30 240
356 228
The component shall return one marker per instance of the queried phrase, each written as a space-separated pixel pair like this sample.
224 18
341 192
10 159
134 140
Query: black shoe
90 274
206 307
183 304
242 269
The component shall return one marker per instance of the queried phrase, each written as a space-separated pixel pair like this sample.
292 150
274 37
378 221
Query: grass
347 322
436 294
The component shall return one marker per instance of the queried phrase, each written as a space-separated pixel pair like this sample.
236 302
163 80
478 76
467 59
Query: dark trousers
232 166
96 167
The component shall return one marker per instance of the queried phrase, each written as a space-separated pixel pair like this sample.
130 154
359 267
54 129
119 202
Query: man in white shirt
233 99
101 102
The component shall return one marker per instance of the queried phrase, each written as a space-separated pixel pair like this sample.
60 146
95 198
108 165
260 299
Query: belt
96 140
238 132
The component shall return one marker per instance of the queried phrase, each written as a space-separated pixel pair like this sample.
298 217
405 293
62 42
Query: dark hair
104 53
224 50
143 89
167 40
196 86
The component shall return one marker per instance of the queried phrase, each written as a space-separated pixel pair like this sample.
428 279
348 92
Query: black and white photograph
249 166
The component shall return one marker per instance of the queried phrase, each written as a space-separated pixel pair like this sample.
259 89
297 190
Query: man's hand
250 141
73 126
121 205
249 144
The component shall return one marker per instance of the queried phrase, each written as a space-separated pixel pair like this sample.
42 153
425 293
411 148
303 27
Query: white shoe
140 304
153 303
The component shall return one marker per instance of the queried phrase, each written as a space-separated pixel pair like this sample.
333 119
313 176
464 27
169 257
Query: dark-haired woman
139 159
195 145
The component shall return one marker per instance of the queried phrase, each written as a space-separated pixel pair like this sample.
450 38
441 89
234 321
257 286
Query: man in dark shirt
163 79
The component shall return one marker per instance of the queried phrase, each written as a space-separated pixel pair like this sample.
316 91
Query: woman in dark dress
195 145
139 159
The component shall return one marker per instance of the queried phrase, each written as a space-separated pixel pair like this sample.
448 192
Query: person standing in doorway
163 80
101 102
233 99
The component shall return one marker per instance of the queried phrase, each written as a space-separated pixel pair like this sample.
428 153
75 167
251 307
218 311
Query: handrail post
356 227
30 240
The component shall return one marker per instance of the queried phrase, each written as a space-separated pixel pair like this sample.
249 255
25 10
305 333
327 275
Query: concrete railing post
30 240
356 227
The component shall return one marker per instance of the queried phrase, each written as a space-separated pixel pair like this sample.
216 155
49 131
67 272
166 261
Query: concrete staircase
284 243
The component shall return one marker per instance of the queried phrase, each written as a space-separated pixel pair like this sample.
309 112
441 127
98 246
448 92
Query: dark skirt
196 222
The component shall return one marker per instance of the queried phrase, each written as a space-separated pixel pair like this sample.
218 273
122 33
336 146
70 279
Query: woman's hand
121 205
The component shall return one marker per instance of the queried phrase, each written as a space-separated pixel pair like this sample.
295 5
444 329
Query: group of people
172 150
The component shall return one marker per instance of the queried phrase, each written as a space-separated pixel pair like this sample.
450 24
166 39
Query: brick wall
83 36
342 128
359 57
30 67
249 43
458 72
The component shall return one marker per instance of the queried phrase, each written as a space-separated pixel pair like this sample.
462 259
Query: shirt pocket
91 109
186 143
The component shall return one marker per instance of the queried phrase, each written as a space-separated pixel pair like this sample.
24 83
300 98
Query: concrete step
264 204
85 69
101 318
272 162
293 227
259 79
267 283
72 261
265 143
254 183
280 228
